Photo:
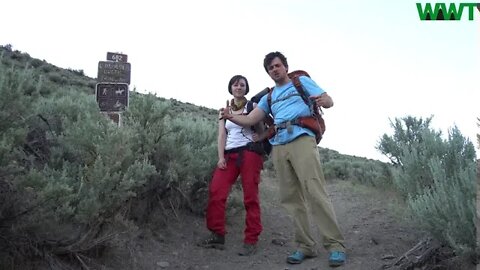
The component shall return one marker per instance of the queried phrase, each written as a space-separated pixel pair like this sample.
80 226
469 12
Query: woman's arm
221 142
222 138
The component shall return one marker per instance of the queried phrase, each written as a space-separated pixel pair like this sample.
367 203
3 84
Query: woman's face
239 88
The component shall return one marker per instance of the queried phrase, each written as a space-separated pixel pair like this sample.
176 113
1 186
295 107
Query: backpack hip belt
287 125
309 122
235 150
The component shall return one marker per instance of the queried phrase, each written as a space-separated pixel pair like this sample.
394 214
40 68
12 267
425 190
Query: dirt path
364 215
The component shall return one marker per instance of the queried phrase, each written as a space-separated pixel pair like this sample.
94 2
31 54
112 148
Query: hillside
71 78
53 77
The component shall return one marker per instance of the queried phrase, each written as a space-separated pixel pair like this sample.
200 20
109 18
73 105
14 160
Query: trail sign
117 57
112 97
114 72
115 117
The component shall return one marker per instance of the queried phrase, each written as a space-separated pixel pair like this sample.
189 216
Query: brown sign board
113 72
117 57
115 117
112 97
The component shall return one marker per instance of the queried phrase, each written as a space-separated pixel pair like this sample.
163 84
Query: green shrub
58 78
78 72
337 169
67 170
47 68
437 177
408 131
36 63
181 146
364 171
447 209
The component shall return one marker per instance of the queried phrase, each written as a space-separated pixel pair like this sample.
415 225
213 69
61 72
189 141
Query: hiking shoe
213 241
248 249
336 258
297 257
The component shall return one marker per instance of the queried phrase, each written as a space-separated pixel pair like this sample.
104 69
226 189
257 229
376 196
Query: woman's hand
222 164
256 137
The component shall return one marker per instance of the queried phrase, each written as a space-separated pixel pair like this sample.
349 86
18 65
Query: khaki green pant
302 183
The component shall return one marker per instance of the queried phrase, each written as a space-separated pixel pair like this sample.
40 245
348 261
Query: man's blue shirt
287 105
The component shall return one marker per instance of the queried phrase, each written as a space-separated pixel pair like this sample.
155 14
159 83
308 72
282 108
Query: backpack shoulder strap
249 106
295 77
249 109
269 99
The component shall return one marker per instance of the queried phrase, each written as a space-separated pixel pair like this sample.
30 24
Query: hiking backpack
315 122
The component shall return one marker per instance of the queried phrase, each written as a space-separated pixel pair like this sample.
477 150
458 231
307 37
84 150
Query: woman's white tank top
237 136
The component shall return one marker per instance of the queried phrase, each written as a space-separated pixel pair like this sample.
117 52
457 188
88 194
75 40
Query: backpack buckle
289 127
285 125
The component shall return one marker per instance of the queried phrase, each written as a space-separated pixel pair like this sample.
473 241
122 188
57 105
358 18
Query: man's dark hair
269 58
235 79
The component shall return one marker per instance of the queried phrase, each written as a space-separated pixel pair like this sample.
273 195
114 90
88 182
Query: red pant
248 165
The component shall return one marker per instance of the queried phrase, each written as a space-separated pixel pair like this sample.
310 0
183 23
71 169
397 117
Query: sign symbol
119 91
112 97
117 104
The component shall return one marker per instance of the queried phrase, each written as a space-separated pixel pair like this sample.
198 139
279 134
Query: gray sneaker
248 250
213 241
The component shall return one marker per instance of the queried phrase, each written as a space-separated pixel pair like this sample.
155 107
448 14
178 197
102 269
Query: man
297 161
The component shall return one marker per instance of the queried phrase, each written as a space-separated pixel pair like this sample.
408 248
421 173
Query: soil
372 221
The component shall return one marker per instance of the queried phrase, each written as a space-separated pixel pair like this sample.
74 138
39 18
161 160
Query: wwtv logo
440 11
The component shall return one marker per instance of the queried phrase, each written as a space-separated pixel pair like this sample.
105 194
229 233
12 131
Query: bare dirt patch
375 235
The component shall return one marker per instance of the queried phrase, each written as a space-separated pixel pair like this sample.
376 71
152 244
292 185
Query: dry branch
417 256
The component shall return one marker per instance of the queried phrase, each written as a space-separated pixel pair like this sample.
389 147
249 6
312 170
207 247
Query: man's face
277 71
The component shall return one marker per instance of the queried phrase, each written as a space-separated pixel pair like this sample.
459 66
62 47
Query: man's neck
282 82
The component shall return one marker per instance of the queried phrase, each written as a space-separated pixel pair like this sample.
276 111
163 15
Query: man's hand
226 113
323 100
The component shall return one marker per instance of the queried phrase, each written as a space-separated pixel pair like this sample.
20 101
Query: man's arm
316 92
255 116
323 100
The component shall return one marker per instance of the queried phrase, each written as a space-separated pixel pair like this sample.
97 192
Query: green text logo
441 12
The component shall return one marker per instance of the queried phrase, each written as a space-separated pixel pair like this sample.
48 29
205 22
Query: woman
235 158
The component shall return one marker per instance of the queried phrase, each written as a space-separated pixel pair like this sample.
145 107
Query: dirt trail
370 229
